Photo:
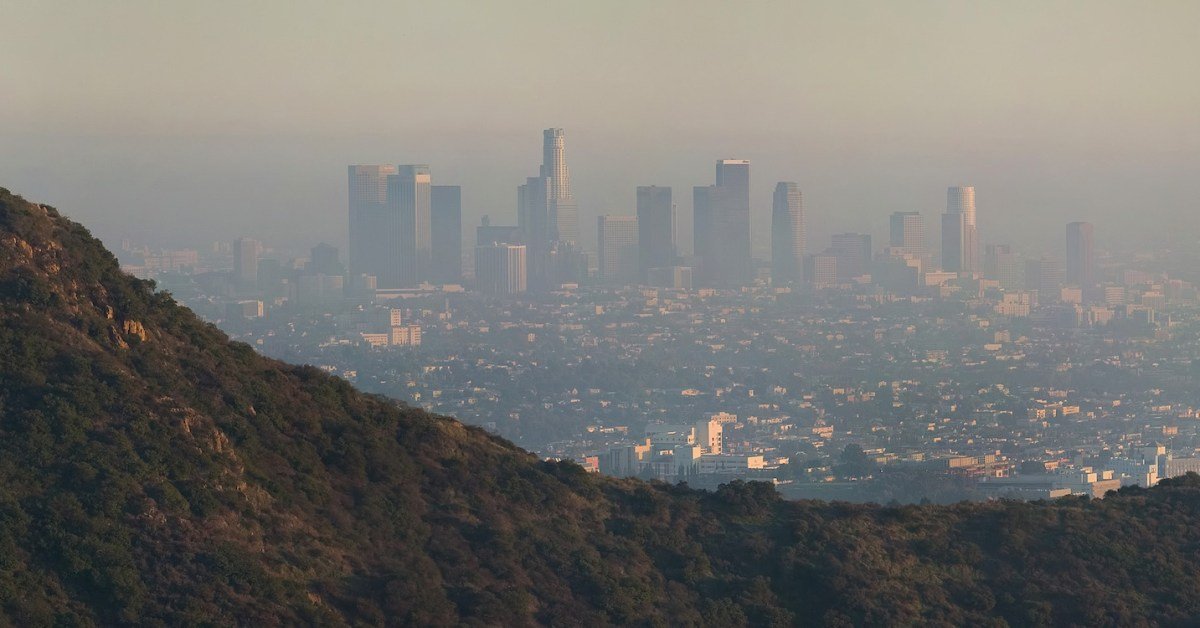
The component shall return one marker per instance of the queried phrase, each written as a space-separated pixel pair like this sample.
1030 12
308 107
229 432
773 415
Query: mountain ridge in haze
154 472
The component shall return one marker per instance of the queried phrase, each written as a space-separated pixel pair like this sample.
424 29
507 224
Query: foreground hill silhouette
152 471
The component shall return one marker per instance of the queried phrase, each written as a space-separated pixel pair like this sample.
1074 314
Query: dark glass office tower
408 228
656 228
1081 261
787 234
445 227
369 248
722 223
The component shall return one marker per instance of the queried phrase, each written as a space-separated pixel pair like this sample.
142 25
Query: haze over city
184 124
599 313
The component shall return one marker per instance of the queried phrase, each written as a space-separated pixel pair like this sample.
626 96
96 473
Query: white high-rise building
554 165
500 268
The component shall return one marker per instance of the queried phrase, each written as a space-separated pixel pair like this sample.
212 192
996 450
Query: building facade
656 228
907 232
409 197
1081 260
960 236
787 233
853 253
445 227
500 269
722 223
245 262
367 186
617 239
549 217
1046 275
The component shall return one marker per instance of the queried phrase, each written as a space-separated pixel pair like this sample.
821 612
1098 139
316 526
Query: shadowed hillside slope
153 472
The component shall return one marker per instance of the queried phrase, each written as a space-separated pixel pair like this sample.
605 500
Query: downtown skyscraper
1002 264
960 236
563 223
390 224
656 228
617 239
907 232
853 253
906 247
245 261
1081 259
787 234
721 223
1046 275
445 228
409 205
369 246
549 218
500 268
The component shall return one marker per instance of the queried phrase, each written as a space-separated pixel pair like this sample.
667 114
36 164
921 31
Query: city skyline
1016 310
629 245
184 137
555 195
681 312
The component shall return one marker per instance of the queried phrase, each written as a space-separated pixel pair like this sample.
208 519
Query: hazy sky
182 122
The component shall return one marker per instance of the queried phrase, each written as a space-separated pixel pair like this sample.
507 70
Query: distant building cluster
407 234
941 356
404 231
678 452
380 327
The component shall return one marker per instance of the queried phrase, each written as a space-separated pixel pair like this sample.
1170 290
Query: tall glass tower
369 246
960 236
656 228
409 199
787 233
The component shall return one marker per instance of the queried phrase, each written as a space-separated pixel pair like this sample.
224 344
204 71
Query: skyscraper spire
563 212
549 217
554 165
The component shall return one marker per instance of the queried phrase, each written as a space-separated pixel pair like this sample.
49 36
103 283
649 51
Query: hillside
153 472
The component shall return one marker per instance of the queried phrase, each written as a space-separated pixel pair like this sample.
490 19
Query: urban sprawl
853 371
